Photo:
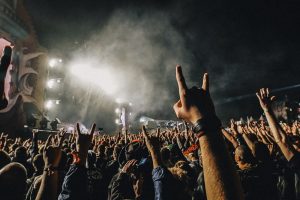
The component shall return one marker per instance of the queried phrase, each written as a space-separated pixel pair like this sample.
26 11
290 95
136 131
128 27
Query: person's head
186 177
91 159
175 154
13 181
165 156
38 163
108 152
101 149
116 151
243 157
20 154
4 159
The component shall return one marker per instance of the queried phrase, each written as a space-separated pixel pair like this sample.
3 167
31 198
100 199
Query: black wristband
206 124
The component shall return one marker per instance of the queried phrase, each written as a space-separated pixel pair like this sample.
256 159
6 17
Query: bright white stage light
60 60
142 120
49 104
50 83
117 121
103 77
57 101
117 110
52 62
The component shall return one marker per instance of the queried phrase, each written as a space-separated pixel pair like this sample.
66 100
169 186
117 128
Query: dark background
244 45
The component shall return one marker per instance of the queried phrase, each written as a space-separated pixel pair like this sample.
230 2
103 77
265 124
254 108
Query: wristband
201 126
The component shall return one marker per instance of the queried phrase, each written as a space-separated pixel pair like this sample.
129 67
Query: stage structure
25 77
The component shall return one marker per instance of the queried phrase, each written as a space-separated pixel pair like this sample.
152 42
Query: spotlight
142 120
130 104
117 110
117 121
58 80
49 104
52 62
50 83
60 60
57 101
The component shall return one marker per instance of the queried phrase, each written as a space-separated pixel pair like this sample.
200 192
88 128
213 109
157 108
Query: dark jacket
75 184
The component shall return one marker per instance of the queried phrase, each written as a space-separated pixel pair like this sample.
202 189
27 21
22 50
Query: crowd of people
250 159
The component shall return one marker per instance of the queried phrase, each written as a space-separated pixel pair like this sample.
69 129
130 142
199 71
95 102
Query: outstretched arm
196 106
279 134
49 186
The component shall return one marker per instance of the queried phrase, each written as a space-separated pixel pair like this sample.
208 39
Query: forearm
48 188
279 135
249 143
156 159
221 180
34 147
230 138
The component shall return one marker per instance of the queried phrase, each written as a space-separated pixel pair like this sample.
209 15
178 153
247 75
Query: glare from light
58 80
130 114
130 104
117 110
57 101
83 128
49 104
50 83
52 62
117 121
103 77
60 60
142 120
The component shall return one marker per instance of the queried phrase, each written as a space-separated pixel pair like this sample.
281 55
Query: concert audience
248 159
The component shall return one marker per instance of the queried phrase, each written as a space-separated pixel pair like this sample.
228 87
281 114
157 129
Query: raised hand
61 137
51 154
152 142
83 142
194 103
153 145
264 98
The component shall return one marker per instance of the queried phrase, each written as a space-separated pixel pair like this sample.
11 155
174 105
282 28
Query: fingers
205 83
181 84
272 98
258 96
144 131
93 129
62 137
48 142
267 92
78 128
158 132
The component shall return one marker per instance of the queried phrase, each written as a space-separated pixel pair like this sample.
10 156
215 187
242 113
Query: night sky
244 45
